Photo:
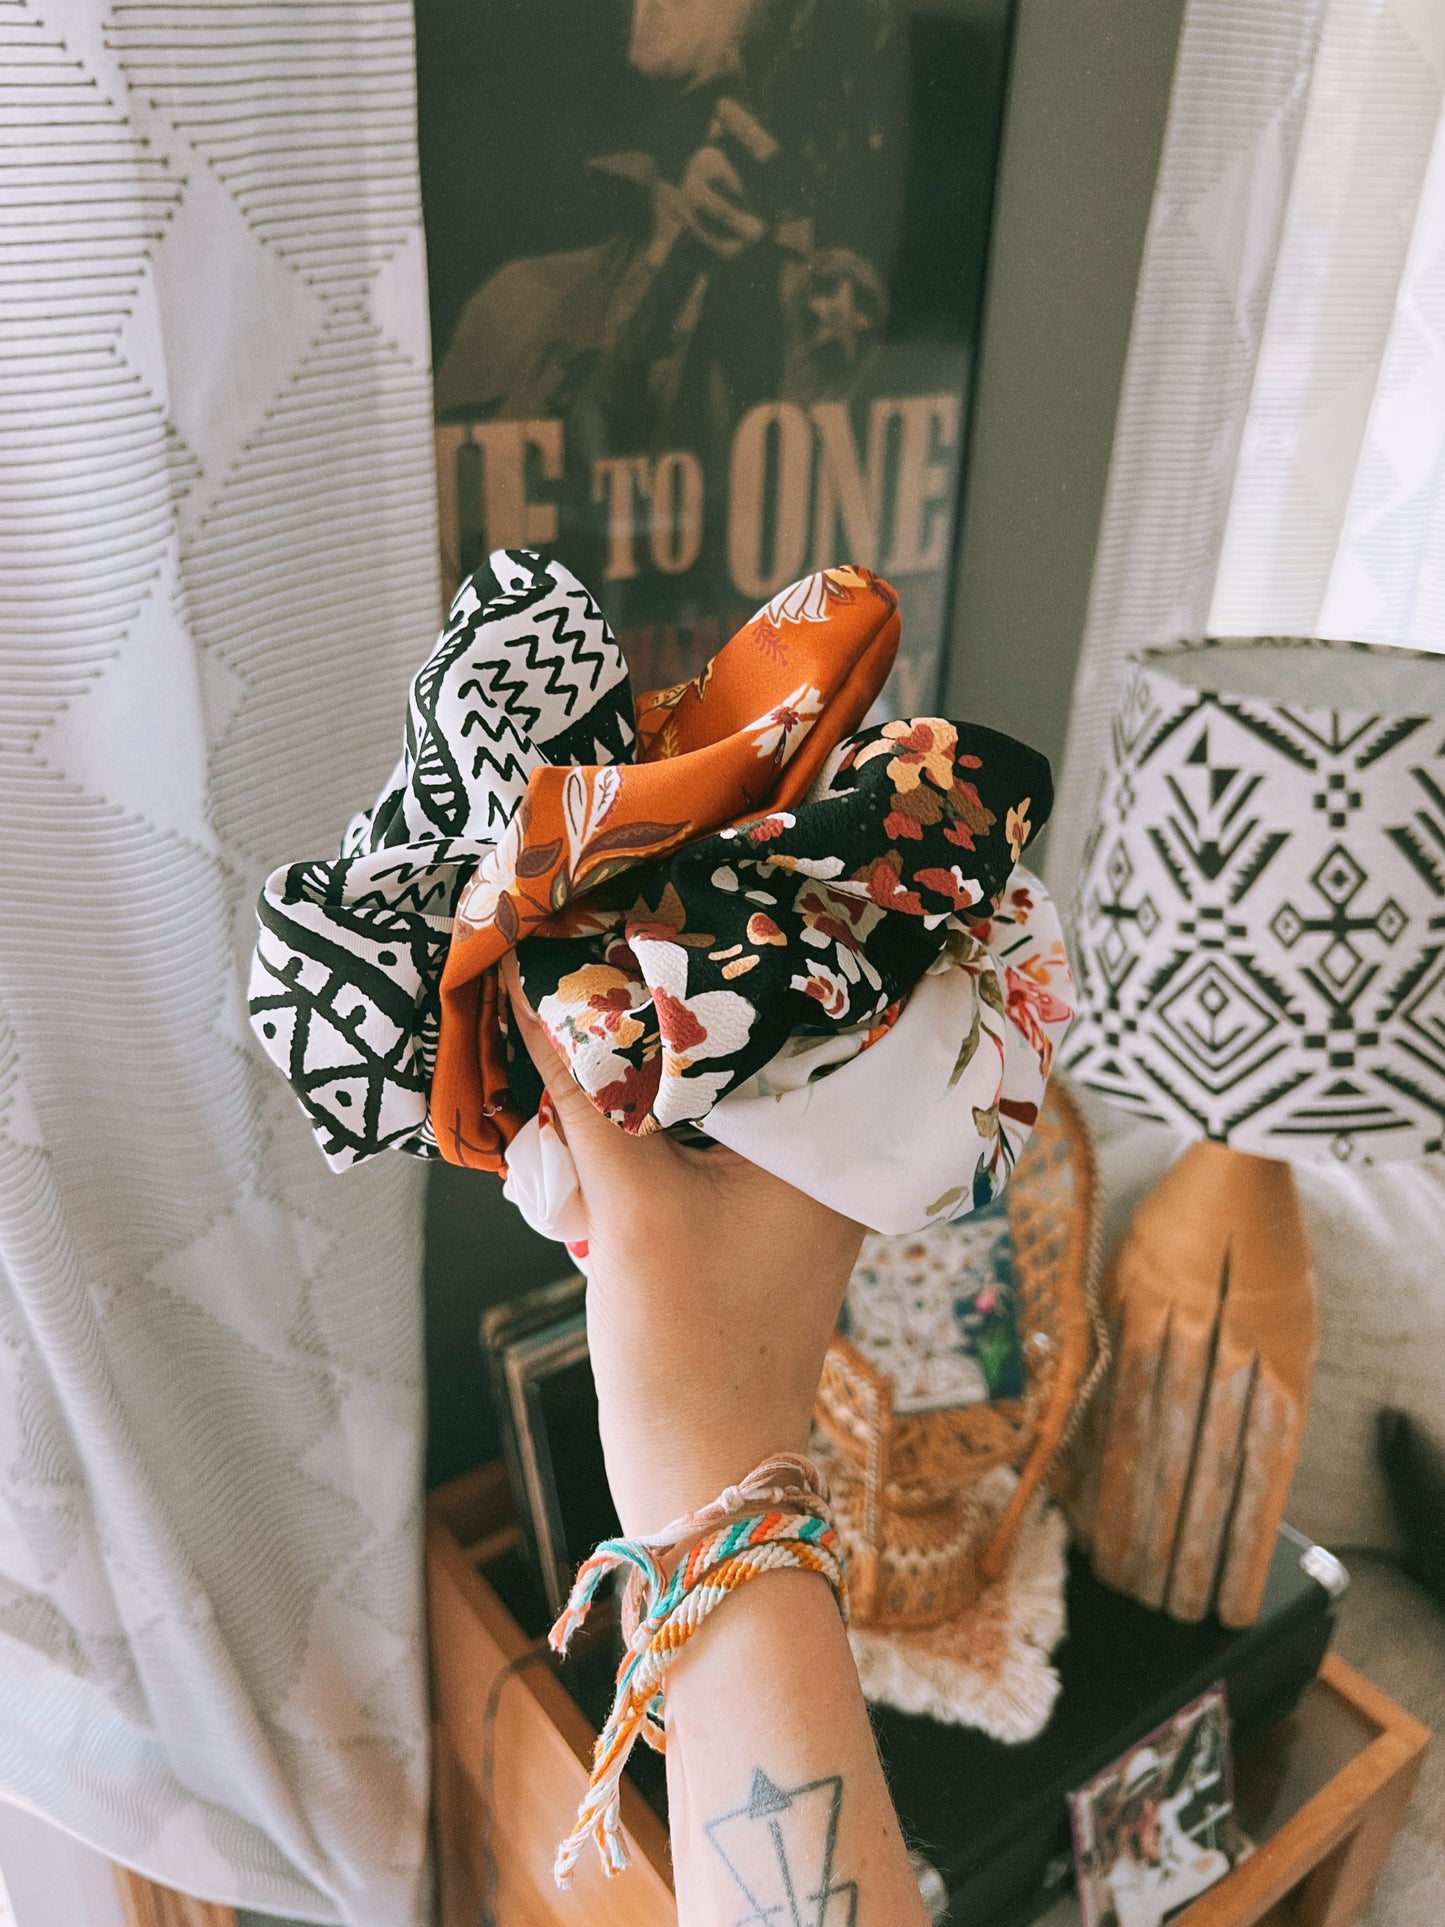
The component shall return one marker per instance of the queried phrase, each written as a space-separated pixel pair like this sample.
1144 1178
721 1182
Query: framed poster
706 278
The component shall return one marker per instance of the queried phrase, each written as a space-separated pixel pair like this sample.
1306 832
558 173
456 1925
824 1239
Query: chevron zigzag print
347 967
1260 926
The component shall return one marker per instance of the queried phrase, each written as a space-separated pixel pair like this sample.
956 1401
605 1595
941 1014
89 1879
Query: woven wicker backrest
911 1468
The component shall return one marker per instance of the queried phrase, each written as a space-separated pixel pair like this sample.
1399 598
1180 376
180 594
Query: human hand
709 203
1212 1307
713 1291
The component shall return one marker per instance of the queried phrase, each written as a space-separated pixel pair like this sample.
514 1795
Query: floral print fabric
900 1125
816 919
701 890
635 1003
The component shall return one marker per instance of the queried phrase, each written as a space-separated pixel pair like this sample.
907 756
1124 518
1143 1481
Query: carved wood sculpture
1187 1462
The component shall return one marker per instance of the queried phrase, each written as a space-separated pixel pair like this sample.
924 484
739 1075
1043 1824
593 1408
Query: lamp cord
491 1873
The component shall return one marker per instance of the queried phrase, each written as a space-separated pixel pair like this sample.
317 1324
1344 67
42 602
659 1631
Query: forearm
775 1791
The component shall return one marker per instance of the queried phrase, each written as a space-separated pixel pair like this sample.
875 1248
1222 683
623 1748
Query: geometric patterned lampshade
1259 932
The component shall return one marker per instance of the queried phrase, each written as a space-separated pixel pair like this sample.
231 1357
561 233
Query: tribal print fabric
695 894
347 972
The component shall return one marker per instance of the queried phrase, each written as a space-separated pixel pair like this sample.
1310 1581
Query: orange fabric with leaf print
750 734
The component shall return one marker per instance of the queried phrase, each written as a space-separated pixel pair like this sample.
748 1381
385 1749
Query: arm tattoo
779 1848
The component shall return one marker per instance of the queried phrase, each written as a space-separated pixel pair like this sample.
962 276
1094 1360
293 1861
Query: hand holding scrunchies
723 906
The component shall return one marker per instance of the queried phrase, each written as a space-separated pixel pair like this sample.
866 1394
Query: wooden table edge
446 1558
1329 1816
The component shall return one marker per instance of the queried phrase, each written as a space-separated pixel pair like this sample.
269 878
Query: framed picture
541 1374
706 279
1157 1828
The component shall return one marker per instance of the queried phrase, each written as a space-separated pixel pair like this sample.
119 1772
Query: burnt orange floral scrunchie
750 734
692 887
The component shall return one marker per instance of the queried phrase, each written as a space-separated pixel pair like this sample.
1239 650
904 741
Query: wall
478 1252
1088 98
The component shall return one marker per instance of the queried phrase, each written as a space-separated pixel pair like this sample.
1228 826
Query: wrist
661 1475
757 1637
775 1521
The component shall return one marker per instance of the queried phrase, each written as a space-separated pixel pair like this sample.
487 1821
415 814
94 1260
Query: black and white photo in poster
1157 1828
706 278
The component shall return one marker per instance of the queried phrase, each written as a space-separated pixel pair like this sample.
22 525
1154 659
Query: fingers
597 1145
569 1102
713 192
731 120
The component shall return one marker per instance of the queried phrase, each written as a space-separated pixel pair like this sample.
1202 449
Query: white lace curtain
217 569
1279 457
1279 469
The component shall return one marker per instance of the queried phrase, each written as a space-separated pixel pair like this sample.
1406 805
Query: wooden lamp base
1186 1465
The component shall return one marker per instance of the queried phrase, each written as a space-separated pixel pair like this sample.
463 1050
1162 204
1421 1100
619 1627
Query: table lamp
1260 960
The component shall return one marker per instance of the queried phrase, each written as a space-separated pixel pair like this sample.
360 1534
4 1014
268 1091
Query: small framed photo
1157 1828
541 1372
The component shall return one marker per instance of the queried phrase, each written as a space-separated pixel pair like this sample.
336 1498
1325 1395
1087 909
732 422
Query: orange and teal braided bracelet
671 1610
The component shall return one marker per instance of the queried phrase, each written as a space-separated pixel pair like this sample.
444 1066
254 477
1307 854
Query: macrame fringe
991 1668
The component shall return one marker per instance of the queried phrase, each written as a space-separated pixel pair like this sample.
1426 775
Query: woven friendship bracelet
786 1479
670 1608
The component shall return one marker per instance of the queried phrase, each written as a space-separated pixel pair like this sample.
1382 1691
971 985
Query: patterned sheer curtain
1279 457
217 569
1279 468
